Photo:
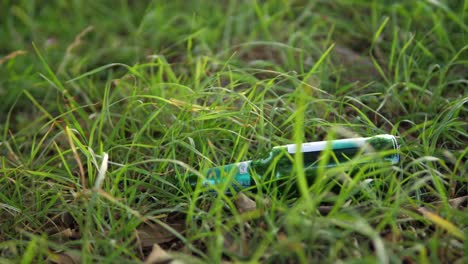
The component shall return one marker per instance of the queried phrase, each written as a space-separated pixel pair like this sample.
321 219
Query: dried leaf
65 234
69 133
393 236
148 235
441 222
12 55
459 202
78 39
76 42
237 246
65 258
67 219
244 203
456 203
158 255
192 107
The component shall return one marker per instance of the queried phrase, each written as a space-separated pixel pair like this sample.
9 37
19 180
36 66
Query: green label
240 172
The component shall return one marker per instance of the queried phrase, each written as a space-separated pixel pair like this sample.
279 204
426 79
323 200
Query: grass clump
106 108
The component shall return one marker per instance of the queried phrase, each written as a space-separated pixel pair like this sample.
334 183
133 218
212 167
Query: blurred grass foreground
107 106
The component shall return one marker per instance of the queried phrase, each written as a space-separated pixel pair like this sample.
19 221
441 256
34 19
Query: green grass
106 107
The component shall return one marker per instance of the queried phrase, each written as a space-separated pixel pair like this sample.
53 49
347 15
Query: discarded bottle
280 161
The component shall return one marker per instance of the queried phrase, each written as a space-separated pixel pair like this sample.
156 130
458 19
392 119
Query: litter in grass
355 151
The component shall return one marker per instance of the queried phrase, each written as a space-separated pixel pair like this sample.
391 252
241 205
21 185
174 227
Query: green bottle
279 162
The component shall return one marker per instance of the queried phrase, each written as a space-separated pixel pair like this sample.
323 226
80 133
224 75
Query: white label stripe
321 145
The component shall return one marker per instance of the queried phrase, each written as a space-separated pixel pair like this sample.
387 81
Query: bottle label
322 145
239 171
379 142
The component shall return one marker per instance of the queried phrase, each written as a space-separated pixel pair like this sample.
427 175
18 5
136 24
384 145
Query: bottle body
280 161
